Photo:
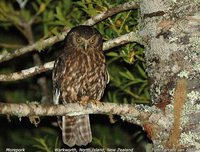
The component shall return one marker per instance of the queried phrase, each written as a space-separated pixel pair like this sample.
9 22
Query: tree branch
137 114
27 72
123 39
5 56
130 37
33 109
120 8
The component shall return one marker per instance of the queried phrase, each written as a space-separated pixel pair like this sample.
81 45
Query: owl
79 74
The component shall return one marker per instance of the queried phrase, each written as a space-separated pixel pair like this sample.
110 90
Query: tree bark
171 31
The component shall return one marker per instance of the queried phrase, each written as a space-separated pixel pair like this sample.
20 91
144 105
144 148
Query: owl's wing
108 76
57 77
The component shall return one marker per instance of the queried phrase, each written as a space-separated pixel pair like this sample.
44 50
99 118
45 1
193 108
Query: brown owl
79 74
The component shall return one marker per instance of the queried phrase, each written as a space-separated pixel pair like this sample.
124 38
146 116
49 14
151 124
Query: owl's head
84 38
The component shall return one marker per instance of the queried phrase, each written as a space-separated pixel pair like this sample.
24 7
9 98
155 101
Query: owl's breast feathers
77 75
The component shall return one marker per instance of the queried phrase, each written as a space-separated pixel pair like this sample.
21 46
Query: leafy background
23 22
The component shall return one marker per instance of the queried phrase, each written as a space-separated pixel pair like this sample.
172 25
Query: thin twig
110 12
7 45
123 39
40 45
27 72
130 37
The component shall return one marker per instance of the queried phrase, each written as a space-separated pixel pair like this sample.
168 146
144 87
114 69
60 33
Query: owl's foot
84 101
97 102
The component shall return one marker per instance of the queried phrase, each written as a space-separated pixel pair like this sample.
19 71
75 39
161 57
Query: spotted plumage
79 74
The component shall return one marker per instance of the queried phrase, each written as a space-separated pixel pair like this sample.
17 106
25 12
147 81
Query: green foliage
112 137
129 82
41 144
48 141
23 22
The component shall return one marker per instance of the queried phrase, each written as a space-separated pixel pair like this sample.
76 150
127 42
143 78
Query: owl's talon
97 102
84 101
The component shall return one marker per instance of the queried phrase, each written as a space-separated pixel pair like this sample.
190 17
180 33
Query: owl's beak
85 46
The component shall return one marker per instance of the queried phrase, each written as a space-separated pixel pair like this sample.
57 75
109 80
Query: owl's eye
78 40
92 41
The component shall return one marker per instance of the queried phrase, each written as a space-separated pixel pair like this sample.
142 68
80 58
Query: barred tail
76 130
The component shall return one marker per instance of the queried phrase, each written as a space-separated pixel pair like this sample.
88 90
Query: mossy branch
33 109
130 113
